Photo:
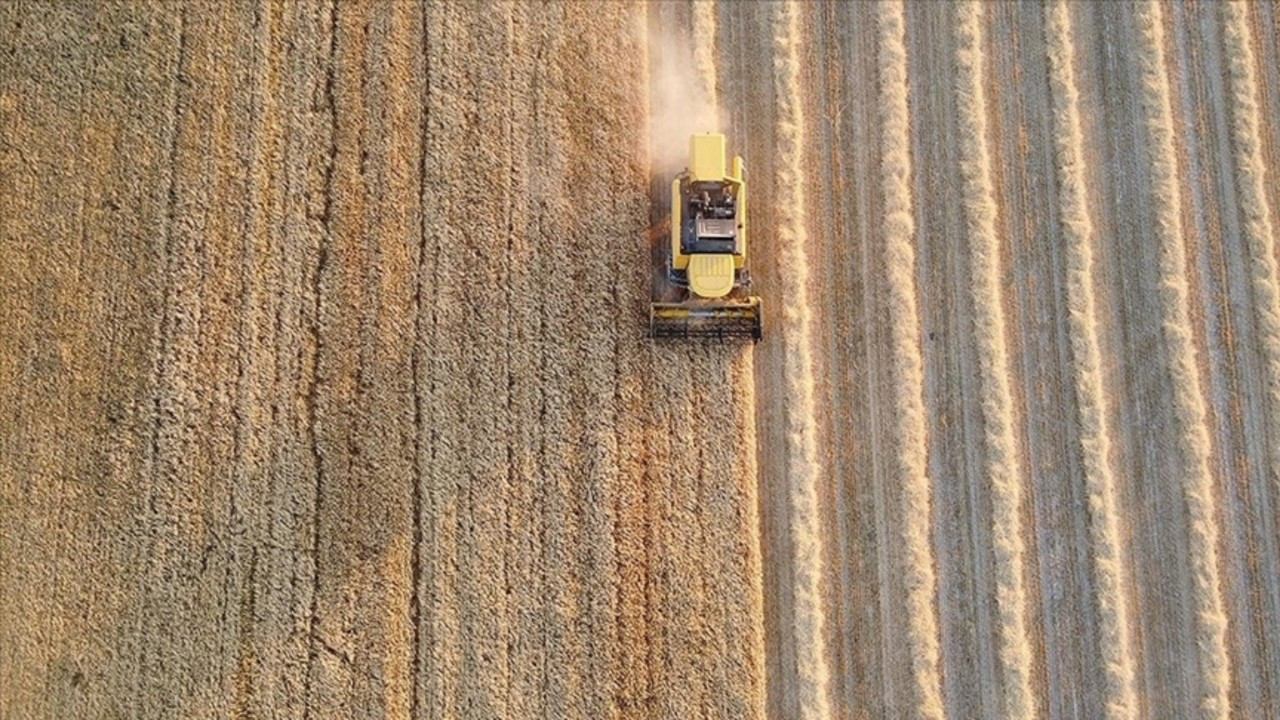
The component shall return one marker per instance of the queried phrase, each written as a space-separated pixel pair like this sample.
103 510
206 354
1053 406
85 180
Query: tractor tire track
475 267
525 577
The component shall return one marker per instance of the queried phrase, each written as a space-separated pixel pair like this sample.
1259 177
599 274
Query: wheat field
325 388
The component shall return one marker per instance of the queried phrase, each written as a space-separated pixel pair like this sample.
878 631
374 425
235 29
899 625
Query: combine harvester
701 286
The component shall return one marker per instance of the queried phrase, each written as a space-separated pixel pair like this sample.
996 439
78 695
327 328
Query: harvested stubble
1095 442
1002 463
1184 377
1098 427
1251 177
909 436
803 465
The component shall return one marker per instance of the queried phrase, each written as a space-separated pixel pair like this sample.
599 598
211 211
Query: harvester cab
703 288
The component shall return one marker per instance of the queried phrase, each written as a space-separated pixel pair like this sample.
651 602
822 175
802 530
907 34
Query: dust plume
684 98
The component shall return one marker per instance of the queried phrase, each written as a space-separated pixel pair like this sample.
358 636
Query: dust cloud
683 95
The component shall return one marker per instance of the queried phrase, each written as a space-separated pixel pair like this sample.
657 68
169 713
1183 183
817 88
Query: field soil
325 388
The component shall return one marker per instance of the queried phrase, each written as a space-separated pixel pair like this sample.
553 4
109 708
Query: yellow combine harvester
704 287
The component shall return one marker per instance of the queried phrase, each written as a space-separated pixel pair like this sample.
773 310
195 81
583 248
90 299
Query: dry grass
1184 378
1001 463
704 57
1095 439
907 371
803 463
1251 183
